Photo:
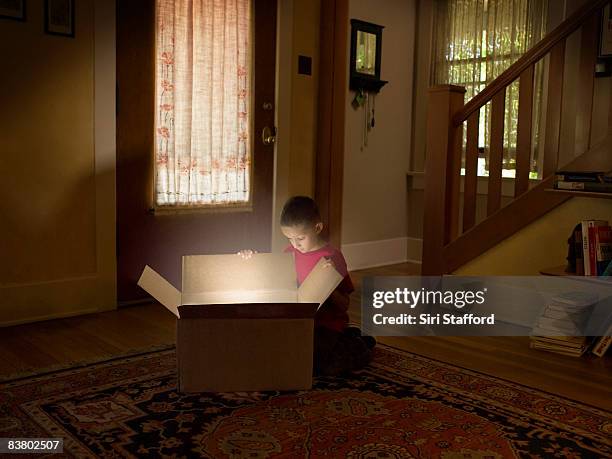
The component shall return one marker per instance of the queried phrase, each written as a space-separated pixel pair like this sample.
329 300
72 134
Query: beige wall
374 194
57 162
296 100
543 244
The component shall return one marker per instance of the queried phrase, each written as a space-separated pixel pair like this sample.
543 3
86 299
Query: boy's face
304 238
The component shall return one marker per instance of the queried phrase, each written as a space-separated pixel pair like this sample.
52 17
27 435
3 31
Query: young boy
338 348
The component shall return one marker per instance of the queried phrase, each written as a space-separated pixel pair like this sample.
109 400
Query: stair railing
446 246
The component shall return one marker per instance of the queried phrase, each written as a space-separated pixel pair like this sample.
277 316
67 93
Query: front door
161 238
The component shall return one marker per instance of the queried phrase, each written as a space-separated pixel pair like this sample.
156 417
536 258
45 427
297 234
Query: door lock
268 135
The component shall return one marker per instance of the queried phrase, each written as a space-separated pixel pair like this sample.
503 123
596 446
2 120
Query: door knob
268 135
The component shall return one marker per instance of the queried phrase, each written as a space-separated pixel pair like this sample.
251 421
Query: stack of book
593 181
561 324
592 248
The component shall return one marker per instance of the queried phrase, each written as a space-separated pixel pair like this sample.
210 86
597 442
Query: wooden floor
34 347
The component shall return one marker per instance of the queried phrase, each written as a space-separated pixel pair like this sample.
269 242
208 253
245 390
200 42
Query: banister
531 57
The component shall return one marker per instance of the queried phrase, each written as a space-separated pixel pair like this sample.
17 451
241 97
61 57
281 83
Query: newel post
442 176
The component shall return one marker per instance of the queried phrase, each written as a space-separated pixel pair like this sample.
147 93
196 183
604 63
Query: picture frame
13 9
366 56
59 17
605 34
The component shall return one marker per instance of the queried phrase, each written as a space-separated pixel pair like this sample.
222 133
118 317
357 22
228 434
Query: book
602 345
564 314
603 248
574 300
596 187
559 326
560 339
588 240
578 252
583 176
577 352
579 343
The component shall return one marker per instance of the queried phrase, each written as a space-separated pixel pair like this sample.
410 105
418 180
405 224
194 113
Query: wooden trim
586 82
441 193
523 136
532 56
331 115
610 115
553 110
496 153
453 174
582 194
471 172
505 222
324 117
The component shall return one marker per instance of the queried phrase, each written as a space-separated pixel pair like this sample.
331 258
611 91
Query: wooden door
160 240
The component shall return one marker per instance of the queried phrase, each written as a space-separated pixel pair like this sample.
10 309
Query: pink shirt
329 315
305 262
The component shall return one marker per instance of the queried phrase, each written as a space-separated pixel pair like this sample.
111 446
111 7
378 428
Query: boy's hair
300 210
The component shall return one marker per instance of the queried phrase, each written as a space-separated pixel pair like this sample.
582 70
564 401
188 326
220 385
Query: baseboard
59 315
370 254
414 250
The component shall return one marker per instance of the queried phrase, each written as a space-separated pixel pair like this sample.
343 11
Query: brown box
243 325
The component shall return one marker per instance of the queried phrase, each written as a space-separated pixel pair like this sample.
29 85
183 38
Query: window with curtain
203 88
474 42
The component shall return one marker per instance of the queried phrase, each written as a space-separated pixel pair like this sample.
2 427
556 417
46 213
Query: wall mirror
366 48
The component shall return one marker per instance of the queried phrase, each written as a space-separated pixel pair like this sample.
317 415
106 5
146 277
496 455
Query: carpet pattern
402 406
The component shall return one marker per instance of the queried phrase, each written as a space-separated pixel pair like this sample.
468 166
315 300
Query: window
203 88
474 42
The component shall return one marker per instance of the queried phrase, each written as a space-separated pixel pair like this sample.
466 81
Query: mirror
366 53
366 47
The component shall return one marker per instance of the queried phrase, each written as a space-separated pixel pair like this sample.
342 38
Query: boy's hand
246 253
328 263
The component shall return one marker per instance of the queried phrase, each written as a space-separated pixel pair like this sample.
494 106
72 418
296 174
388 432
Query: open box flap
319 284
160 289
226 279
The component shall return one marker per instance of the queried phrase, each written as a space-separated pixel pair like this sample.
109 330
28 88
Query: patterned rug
402 406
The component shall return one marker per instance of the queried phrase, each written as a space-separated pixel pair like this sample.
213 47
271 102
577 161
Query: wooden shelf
560 271
582 194
555 271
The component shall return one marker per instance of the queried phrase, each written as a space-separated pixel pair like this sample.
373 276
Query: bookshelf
581 194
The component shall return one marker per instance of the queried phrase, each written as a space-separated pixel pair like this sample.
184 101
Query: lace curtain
475 41
203 88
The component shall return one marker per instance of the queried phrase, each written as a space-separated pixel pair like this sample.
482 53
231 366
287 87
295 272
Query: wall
374 194
57 238
543 244
297 34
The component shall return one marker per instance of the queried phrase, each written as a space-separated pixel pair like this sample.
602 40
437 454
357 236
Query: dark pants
337 353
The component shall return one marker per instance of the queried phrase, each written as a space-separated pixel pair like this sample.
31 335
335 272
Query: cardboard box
243 325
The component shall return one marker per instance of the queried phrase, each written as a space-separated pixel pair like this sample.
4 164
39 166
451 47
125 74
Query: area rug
402 406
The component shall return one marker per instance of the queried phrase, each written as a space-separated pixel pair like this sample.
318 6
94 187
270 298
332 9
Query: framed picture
605 36
13 9
59 17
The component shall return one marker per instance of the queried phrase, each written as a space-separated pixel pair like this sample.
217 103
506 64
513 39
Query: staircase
446 246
